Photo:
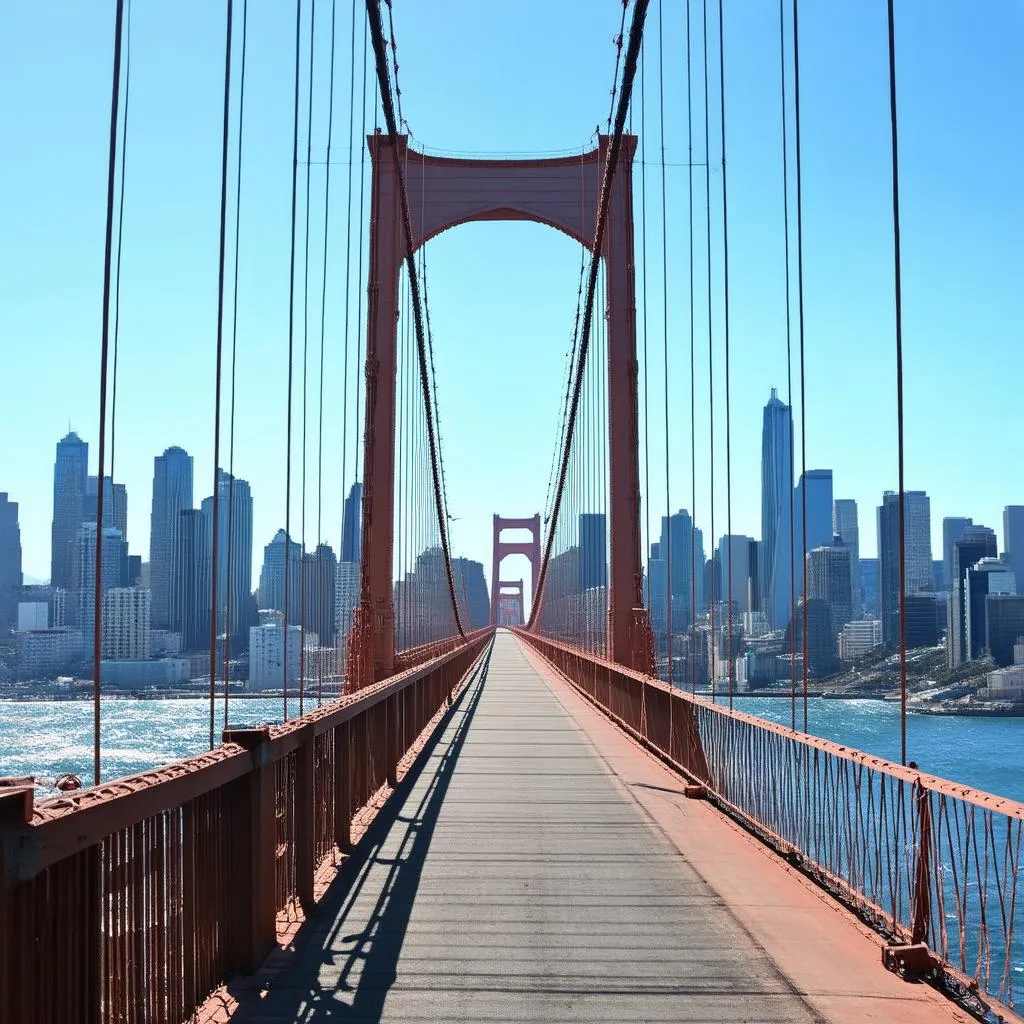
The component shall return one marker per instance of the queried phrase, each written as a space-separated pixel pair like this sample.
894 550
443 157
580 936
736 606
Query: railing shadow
358 980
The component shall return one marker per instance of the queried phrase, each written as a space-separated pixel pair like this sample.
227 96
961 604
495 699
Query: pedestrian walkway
519 879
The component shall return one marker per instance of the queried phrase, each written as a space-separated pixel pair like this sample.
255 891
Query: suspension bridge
532 816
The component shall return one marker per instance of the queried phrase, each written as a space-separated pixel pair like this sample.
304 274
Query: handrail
160 886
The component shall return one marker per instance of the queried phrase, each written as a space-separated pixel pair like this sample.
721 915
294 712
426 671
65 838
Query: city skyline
959 295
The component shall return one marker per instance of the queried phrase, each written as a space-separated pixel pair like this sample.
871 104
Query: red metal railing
923 859
133 901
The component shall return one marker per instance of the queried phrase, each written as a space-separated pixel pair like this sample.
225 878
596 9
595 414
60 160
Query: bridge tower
564 193
503 548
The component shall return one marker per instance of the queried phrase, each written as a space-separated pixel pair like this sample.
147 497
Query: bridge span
540 865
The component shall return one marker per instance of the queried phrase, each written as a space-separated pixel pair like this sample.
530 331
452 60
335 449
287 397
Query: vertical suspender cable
323 317
898 282
725 313
305 375
348 233
643 304
104 356
711 352
692 646
291 343
789 374
231 612
120 238
800 328
667 554
225 140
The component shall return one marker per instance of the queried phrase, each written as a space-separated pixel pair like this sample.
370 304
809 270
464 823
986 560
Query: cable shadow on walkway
359 979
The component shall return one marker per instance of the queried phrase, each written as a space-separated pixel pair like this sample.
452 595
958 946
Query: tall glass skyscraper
10 563
918 555
776 495
352 525
844 525
815 491
70 480
172 494
234 565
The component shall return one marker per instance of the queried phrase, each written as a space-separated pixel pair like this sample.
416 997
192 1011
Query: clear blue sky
529 77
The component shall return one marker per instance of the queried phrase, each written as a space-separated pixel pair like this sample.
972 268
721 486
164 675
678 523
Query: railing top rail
934 783
64 825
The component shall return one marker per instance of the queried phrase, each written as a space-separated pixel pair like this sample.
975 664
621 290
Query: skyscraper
234 562
828 580
974 544
917 555
70 477
471 590
113 569
953 528
319 578
670 573
844 525
10 563
189 599
172 492
272 575
733 557
815 491
352 525
593 541
776 521
987 576
115 504
1013 541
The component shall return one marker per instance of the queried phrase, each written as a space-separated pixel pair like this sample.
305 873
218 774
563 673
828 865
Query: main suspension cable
377 39
625 93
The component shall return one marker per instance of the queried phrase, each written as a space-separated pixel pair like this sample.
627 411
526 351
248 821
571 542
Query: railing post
391 739
343 787
922 872
259 924
305 845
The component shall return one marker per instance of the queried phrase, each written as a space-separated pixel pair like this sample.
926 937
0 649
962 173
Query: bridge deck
522 878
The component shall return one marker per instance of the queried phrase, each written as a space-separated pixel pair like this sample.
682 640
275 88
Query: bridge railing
925 860
133 901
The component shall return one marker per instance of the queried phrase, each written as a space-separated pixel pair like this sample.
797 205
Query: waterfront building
114 564
1004 625
126 624
973 544
267 653
859 637
988 576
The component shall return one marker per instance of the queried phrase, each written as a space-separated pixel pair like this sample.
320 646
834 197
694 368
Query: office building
988 576
1013 541
126 624
47 653
821 644
10 563
115 504
734 566
1004 626
113 563
234 559
859 637
869 587
280 550
70 477
172 494
471 590
814 490
828 580
776 511
973 544
352 525
671 579
593 544
33 615
190 580
917 558
844 526
319 573
953 528
346 599
267 654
